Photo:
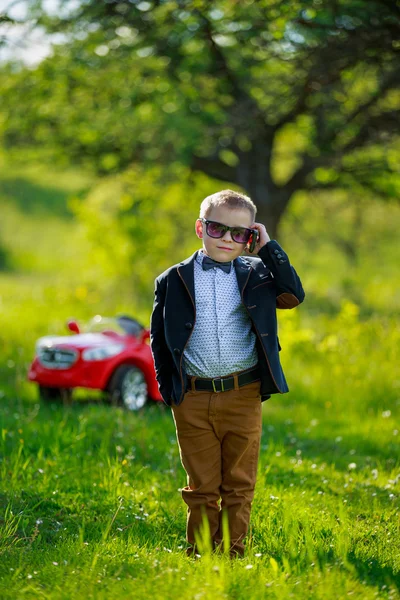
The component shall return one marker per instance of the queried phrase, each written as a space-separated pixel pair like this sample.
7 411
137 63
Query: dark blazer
266 282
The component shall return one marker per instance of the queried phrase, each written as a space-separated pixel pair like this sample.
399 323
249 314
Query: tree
272 96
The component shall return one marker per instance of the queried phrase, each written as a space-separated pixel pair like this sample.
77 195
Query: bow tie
209 263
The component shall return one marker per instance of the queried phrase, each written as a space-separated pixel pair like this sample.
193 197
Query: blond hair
227 198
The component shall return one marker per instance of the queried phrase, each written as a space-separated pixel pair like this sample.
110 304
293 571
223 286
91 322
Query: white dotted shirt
222 341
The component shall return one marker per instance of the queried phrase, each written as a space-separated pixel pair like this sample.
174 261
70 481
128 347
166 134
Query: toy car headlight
102 353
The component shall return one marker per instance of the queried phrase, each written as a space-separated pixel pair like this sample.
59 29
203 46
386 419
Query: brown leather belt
223 384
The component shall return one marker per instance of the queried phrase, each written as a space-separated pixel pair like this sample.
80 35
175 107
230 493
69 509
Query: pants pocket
251 390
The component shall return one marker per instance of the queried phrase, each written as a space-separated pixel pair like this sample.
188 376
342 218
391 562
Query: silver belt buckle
222 385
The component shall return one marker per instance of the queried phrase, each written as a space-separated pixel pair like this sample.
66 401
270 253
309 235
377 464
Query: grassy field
90 494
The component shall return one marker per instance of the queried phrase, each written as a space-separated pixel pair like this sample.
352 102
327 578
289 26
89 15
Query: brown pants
219 442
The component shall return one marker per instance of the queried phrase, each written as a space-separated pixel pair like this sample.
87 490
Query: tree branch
248 104
387 81
376 125
214 167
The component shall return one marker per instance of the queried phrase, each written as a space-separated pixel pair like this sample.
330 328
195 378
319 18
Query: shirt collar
201 255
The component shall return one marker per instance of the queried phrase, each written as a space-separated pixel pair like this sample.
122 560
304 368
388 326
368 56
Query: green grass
90 494
96 490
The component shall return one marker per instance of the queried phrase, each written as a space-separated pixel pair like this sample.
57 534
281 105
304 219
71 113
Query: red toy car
113 355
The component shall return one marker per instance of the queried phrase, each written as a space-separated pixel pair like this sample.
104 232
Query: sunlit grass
90 495
96 490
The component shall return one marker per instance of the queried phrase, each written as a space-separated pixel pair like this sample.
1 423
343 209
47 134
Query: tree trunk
253 174
270 212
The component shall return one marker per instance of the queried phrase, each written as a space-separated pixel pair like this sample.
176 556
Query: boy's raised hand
263 238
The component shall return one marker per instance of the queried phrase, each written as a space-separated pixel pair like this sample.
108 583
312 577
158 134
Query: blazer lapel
186 272
243 269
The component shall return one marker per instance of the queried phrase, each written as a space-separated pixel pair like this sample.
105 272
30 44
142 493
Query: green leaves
160 83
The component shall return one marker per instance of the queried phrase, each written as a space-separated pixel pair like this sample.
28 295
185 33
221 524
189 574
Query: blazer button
276 251
188 325
177 351
281 261
279 255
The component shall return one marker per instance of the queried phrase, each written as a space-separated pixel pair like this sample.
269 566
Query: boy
216 354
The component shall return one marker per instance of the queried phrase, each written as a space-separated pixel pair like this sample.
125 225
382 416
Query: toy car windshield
123 325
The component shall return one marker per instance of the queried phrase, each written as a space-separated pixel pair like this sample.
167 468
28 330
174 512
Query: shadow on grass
373 573
350 448
34 199
88 518
370 572
87 399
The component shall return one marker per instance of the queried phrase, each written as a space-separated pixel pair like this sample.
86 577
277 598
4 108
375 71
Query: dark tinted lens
215 230
241 235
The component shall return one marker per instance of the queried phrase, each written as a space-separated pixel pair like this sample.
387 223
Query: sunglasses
241 235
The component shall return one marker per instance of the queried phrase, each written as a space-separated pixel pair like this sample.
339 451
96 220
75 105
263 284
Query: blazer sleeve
162 357
289 290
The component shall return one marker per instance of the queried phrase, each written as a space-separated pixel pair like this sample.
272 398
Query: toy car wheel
53 394
128 387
